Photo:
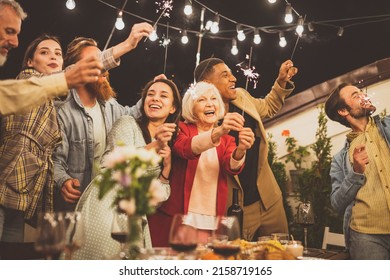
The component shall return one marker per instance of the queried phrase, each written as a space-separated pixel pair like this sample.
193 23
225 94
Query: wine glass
226 236
305 218
50 239
183 235
74 233
120 231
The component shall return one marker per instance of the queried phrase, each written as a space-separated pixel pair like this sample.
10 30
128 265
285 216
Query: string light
184 38
288 18
119 24
215 26
240 33
272 1
282 40
153 36
256 37
188 8
70 4
299 28
340 32
234 49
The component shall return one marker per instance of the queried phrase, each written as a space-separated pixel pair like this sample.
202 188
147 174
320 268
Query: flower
295 154
128 170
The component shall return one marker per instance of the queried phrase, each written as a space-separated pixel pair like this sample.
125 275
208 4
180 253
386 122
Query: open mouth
209 113
154 106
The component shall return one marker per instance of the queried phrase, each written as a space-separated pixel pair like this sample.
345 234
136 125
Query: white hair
193 94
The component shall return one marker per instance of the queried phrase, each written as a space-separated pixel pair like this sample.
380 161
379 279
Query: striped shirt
371 211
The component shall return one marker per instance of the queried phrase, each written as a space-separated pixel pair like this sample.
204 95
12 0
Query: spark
249 73
165 41
164 6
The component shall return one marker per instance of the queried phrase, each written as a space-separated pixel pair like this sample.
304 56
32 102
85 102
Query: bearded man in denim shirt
360 173
86 116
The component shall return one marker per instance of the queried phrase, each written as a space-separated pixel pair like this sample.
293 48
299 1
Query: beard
102 90
362 112
3 59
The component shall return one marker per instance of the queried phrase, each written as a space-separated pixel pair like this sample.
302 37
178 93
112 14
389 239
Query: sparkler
162 13
165 6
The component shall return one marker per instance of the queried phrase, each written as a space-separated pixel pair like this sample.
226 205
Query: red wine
226 250
183 247
119 236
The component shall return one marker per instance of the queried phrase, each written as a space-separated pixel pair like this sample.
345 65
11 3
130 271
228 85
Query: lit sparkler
165 41
165 7
249 73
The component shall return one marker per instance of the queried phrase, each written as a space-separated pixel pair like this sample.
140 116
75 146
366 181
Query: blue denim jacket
345 182
74 157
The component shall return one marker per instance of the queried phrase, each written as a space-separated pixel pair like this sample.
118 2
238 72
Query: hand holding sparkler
246 138
286 72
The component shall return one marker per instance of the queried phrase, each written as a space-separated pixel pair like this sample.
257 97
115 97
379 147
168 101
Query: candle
295 248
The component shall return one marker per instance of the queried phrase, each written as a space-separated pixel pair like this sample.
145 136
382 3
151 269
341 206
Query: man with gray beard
20 95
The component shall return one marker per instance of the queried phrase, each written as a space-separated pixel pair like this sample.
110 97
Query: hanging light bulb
256 37
272 1
234 49
209 23
282 40
215 26
288 18
119 24
188 8
299 28
310 26
340 32
240 33
184 38
70 4
153 36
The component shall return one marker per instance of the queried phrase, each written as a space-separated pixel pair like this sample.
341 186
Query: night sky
320 55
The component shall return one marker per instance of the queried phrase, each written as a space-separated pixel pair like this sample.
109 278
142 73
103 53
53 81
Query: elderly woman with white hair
203 154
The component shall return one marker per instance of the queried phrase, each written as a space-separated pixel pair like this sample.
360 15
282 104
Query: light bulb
300 28
188 9
184 38
257 39
272 1
241 35
209 23
70 4
153 36
214 27
288 18
340 32
234 49
282 40
119 24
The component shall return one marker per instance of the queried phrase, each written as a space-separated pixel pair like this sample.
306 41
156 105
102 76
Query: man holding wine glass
360 173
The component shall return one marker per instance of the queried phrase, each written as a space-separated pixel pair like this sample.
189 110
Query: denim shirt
74 157
345 182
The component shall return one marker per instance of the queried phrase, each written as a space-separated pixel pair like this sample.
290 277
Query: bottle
236 210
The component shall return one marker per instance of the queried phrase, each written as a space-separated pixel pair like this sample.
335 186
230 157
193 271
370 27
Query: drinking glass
183 235
226 236
120 231
50 239
74 233
305 218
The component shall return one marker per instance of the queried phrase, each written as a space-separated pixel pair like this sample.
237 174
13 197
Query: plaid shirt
26 169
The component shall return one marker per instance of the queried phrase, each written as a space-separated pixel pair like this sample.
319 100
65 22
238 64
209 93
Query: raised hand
85 71
246 138
138 31
360 158
164 134
232 121
286 72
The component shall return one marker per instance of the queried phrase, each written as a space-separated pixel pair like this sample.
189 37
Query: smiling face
206 110
10 25
158 102
358 105
47 57
223 79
